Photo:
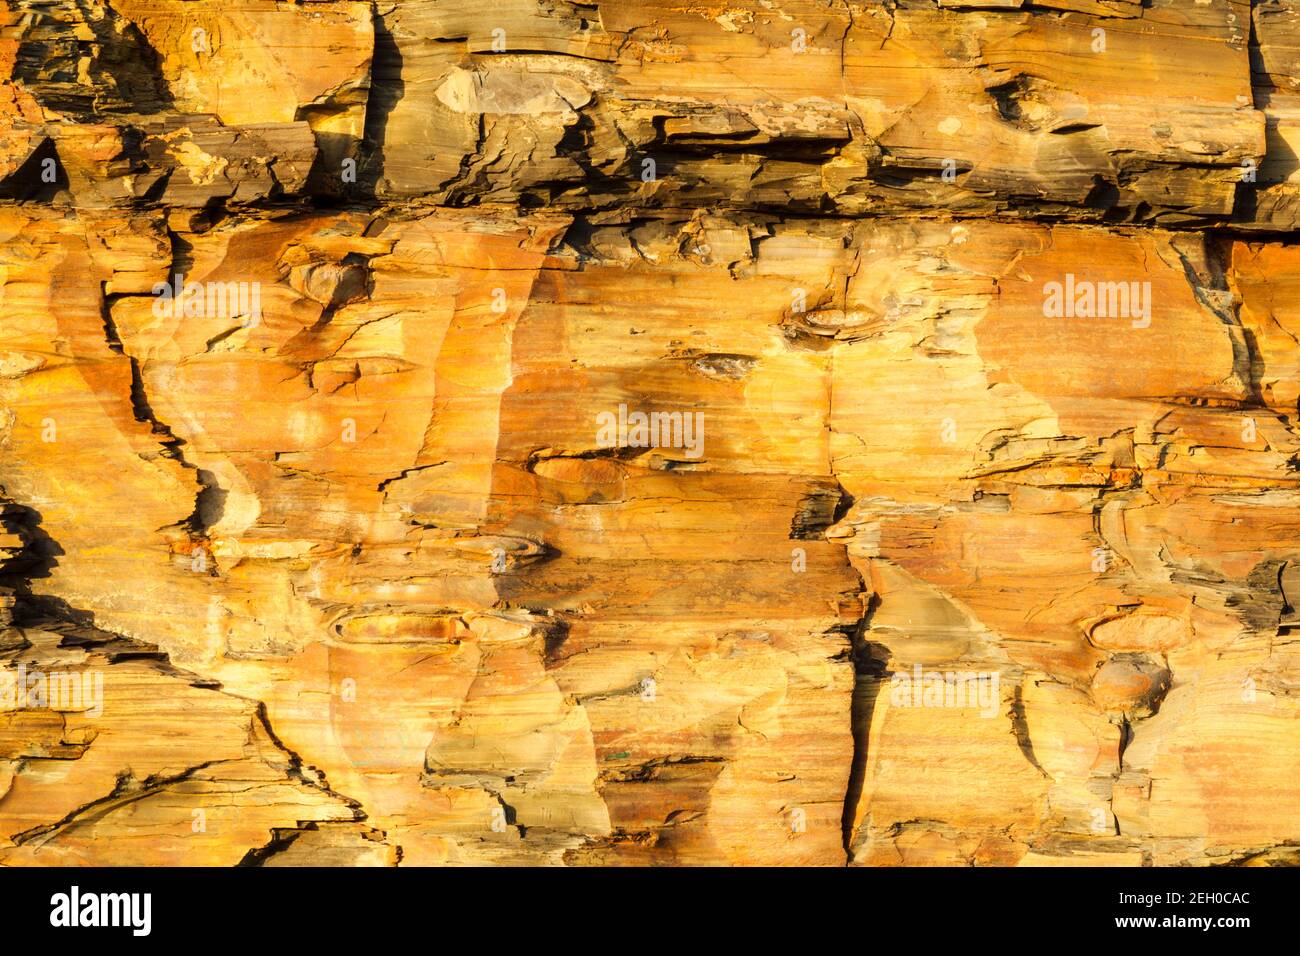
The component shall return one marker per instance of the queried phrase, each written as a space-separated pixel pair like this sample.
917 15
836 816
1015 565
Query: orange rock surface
967 530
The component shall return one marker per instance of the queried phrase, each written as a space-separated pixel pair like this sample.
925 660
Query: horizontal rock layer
967 530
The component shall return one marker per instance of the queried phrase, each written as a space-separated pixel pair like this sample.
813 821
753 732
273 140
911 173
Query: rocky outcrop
634 433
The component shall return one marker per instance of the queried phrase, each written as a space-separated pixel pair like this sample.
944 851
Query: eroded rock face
633 433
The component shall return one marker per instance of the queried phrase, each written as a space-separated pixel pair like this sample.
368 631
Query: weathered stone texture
364 585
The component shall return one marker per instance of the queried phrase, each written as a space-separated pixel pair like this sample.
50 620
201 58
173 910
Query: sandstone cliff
968 531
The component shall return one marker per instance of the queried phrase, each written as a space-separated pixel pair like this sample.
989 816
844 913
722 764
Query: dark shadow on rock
330 179
28 183
38 559
53 56
209 504
869 674
386 90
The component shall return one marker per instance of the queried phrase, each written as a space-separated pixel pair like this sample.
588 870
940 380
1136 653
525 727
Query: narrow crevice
209 500
869 672
1020 725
